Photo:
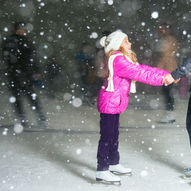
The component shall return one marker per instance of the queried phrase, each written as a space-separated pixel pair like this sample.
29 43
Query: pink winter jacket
123 72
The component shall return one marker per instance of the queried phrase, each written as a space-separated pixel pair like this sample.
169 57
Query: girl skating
123 71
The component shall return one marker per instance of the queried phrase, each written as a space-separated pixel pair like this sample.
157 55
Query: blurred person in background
175 76
22 71
167 49
86 69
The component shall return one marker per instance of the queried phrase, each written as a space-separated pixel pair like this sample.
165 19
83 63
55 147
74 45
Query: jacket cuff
175 75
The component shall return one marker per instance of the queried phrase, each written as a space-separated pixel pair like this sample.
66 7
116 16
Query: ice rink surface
63 157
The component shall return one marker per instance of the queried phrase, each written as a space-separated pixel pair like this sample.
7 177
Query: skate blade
118 173
167 122
118 183
34 129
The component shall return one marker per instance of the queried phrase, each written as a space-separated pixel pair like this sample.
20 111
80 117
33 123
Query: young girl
123 71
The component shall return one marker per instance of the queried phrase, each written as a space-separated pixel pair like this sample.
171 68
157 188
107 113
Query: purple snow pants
108 144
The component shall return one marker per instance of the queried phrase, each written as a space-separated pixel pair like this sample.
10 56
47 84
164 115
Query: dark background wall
59 27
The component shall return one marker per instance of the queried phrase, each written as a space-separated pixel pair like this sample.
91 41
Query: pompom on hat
112 41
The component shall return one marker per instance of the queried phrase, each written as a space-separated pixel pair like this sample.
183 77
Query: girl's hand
176 81
168 79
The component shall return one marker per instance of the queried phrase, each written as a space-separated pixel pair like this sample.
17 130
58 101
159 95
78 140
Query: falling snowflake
155 14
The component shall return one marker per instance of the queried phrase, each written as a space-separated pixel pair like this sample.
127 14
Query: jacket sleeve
182 70
141 73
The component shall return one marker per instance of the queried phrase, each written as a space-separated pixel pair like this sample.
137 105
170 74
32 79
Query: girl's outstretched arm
141 73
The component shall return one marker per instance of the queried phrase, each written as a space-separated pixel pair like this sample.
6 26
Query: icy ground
63 157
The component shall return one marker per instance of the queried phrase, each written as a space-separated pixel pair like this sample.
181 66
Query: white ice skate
168 118
119 169
107 177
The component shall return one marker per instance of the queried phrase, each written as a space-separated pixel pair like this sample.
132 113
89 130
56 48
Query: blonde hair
131 55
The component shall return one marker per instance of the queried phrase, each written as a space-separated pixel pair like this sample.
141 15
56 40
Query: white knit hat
112 41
